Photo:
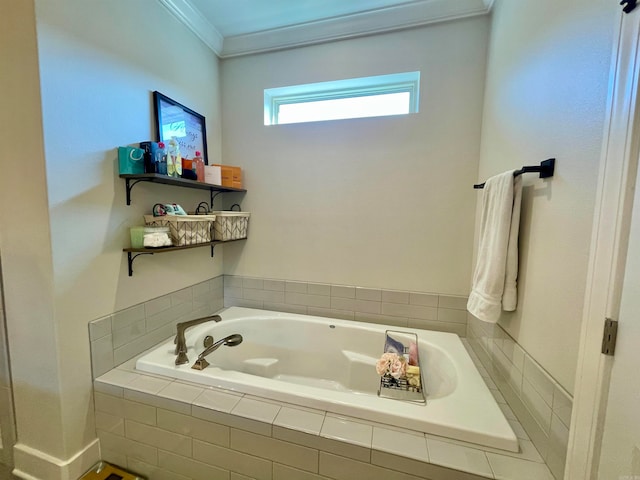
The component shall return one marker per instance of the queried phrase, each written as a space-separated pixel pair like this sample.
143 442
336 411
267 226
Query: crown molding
382 20
489 4
196 22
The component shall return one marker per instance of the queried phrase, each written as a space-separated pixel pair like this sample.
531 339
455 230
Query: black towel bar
545 169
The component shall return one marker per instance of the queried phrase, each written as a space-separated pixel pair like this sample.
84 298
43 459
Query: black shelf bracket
131 258
130 183
214 194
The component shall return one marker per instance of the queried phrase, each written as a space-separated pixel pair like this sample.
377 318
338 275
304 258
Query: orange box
231 176
227 175
236 177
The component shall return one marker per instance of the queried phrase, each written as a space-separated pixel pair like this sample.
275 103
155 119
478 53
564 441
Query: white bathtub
329 364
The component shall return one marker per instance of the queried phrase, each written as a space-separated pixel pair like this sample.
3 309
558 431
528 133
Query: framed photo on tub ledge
188 127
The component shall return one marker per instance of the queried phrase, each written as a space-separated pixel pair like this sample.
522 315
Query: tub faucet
181 343
230 341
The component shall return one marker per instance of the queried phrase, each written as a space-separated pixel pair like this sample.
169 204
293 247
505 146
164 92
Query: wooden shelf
133 253
133 179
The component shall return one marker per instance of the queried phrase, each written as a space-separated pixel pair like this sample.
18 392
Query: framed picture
187 126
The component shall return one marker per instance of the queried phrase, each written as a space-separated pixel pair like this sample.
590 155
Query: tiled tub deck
172 430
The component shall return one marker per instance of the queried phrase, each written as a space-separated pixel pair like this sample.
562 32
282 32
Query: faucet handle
182 358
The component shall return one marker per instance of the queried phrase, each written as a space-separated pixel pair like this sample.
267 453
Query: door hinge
609 336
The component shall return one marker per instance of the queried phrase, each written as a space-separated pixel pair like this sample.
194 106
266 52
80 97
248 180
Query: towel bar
545 169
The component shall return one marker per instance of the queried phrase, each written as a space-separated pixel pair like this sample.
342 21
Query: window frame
407 82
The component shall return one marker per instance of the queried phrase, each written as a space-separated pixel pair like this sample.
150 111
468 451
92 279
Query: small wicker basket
230 225
185 229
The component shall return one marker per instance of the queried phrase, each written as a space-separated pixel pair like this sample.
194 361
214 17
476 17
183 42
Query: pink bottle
198 166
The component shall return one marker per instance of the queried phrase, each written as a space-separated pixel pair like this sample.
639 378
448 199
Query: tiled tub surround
541 404
330 364
402 309
172 430
124 334
428 311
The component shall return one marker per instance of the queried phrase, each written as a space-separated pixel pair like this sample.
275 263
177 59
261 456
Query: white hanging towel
494 280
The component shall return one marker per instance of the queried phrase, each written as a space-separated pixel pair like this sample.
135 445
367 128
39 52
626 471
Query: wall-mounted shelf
133 253
214 190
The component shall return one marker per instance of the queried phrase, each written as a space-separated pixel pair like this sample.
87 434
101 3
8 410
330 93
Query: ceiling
241 27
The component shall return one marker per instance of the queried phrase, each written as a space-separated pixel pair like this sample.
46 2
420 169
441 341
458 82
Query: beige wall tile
153 471
466 459
400 443
424 299
451 315
256 410
191 468
102 355
325 444
99 328
295 287
234 421
537 406
275 285
343 291
343 429
562 405
539 379
139 412
110 423
341 468
254 283
194 427
307 300
319 289
217 400
371 294
284 472
128 447
109 404
113 457
232 460
395 296
330 313
276 450
409 311
301 420
156 437
452 301
509 467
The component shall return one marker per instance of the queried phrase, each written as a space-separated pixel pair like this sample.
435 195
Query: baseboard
32 464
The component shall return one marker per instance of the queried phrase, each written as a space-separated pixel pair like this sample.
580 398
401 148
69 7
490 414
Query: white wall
547 80
98 65
381 202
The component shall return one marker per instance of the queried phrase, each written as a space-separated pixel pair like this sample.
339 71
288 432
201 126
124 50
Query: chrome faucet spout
181 343
229 341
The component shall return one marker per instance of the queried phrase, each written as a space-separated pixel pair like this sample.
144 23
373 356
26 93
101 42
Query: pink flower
391 364
398 368
383 365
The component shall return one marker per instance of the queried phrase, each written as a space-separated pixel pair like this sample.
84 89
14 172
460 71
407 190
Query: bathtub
329 365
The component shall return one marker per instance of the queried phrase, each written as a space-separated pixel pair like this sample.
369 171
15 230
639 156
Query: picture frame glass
188 127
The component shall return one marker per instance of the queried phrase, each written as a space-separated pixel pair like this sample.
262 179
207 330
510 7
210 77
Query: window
395 94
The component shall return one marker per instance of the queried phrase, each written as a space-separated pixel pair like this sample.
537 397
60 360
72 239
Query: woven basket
230 225
185 229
